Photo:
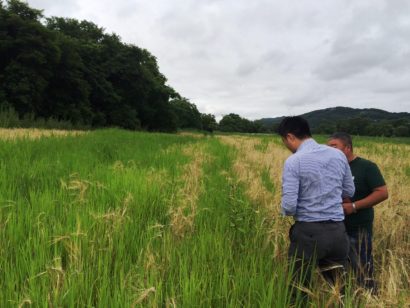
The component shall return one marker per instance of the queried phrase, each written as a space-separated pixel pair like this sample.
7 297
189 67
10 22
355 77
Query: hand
347 200
348 208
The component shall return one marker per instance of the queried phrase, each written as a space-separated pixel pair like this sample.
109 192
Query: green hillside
332 115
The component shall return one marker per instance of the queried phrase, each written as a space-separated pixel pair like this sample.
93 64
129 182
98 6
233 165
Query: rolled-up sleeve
348 184
290 187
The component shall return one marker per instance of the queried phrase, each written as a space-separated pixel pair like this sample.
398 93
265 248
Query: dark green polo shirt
366 177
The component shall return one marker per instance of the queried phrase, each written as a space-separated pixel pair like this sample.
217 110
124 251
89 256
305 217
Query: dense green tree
401 131
208 122
325 127
234 123
72 70
187 114
68 92
28 53
96 51
258 127
352 126
373 129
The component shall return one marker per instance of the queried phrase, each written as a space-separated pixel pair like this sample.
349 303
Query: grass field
113 218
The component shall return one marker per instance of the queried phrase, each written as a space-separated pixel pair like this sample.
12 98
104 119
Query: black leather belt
327 221
321 222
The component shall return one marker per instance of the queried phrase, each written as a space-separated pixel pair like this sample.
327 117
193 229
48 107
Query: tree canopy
72 70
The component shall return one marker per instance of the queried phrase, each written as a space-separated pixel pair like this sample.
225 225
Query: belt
321 222
327 221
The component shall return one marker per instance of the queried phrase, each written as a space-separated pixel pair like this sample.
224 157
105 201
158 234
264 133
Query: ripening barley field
112 218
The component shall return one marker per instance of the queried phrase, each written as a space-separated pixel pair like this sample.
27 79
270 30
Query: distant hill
318 117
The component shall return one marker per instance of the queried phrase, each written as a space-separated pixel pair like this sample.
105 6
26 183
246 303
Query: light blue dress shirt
315 179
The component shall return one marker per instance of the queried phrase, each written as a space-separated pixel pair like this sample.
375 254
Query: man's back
322 176
314 179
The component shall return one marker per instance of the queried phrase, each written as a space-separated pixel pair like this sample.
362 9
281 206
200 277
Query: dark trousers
361 259
323 244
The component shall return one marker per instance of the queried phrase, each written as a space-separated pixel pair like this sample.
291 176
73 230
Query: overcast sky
265 58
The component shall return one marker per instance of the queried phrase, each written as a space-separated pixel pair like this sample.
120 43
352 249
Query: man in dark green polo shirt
370 190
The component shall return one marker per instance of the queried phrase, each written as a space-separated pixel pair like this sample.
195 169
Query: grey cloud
56 7
264 58
356 59
268 60
129 8
308 96
375 38
246 68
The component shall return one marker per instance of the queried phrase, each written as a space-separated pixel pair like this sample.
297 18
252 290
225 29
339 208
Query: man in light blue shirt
315 178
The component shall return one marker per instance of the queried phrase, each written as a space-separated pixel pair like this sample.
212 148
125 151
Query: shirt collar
307 144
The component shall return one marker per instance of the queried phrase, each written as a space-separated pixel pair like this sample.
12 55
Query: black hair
344 137
296 125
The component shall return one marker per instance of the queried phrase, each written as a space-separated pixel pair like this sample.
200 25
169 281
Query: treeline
59 70
367 127
354 126
235 123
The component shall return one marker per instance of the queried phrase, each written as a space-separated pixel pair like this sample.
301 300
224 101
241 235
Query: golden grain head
35 133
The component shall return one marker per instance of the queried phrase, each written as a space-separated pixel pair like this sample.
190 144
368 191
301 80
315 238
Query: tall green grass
75 214
84 221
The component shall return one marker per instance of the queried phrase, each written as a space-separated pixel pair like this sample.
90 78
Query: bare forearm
378 195
371 200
